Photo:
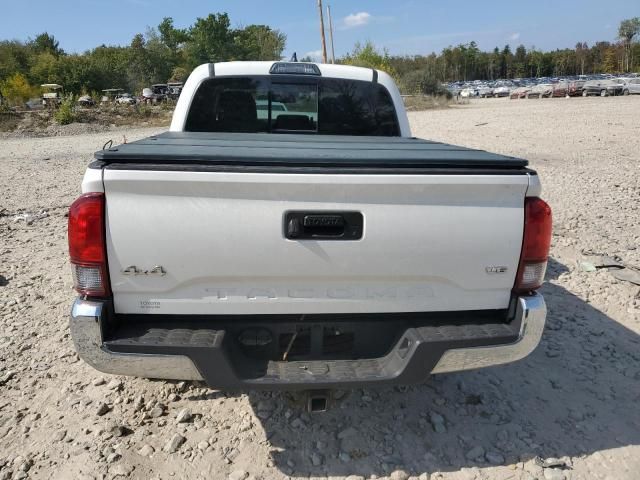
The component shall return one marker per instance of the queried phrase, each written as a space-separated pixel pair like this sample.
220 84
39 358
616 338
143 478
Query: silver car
632 86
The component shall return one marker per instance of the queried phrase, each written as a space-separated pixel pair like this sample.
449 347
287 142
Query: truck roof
183 150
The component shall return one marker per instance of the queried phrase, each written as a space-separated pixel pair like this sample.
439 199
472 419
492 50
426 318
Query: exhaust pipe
318 401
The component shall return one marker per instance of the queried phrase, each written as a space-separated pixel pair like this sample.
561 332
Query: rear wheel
625 93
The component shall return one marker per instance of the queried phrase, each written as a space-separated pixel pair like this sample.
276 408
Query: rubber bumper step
222 363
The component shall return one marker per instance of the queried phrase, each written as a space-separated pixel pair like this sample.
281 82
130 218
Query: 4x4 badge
157 271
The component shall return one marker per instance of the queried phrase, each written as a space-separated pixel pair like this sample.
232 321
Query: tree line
161 54
166 53
466 62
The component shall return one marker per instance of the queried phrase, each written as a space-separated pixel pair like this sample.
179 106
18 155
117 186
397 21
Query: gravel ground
569 411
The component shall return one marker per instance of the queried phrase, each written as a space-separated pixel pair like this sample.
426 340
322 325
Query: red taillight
535 245
87 248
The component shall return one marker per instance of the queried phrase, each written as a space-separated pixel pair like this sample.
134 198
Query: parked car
485 92
110 95
262 109
125 99
52 95
174 89
617 86
501 92
519 93
287 253
632 87
560 89
604 88
34 104
575 88
544 90
86 101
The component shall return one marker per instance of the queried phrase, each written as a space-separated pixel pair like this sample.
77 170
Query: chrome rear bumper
89 316
86 330
532 312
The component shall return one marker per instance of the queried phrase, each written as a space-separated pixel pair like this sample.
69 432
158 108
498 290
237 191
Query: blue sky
402 26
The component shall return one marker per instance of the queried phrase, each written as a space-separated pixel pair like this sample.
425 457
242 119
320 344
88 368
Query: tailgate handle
323 225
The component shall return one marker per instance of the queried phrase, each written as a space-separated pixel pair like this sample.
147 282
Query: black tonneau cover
188 149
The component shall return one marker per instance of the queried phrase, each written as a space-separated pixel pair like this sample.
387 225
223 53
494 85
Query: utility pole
333 53
324 43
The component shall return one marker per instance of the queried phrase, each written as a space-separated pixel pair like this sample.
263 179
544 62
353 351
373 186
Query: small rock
138 404
203 445
297 423
146 450
316 459
238 475
98 381
174 444
25 466
264 414
59 435
121 469
245 424
475 452
184 416
7 376
115 385
265 406
347 432
494 458
121 431
355 477
437 422
399 475
113 457
156 411
554 474
102 409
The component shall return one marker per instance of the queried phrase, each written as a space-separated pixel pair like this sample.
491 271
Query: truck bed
224 151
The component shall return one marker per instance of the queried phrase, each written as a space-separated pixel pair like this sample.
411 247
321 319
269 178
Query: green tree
173 38
520 65
17 89
626 32
179 74
368 56
139 64
15 57
259 42
210 40
610 64
44 68
45 43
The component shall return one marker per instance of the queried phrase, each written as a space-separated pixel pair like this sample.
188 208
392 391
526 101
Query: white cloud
515 36
356 20
315 55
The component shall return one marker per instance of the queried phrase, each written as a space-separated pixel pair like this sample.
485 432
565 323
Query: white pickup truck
288 232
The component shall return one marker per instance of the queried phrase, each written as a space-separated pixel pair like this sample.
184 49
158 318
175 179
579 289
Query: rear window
323 106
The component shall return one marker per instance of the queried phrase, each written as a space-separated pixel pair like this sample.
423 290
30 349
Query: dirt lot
574 403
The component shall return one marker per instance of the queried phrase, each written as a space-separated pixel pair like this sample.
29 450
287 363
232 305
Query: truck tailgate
430 242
